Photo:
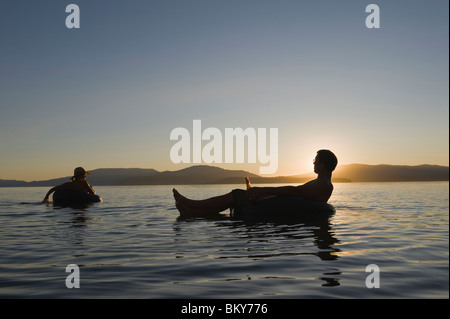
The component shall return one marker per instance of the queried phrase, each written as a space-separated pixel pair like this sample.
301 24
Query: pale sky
108 94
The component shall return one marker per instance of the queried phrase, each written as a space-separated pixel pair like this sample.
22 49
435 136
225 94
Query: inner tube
68 195
282 207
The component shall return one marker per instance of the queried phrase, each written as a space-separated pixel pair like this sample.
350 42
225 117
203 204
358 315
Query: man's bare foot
182 204
180 198
178 202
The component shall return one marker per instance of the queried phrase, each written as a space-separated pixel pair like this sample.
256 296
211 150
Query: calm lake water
133 245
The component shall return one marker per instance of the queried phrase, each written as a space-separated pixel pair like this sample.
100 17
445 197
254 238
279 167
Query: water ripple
133 245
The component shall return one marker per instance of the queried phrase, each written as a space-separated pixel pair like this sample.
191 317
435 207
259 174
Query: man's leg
205 207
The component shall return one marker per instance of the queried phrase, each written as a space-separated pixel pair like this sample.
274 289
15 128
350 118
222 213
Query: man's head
79 173
325 159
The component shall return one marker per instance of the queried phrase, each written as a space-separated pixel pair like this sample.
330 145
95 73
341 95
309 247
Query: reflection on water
265 240
73 224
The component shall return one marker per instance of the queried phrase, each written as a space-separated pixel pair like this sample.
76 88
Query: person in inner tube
77 182
319 189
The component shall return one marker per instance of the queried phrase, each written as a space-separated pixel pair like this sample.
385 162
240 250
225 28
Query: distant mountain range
392 173
204 174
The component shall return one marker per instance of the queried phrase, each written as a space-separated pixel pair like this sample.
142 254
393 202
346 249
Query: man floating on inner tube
319 189
78 183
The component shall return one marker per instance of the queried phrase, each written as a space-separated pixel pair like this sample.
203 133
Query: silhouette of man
319 189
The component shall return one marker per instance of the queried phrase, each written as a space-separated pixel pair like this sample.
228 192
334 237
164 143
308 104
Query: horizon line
228 169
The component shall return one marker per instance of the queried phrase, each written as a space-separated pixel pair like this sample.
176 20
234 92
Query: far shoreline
212 175
254 183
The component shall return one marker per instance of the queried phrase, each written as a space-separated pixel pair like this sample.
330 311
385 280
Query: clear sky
109 93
